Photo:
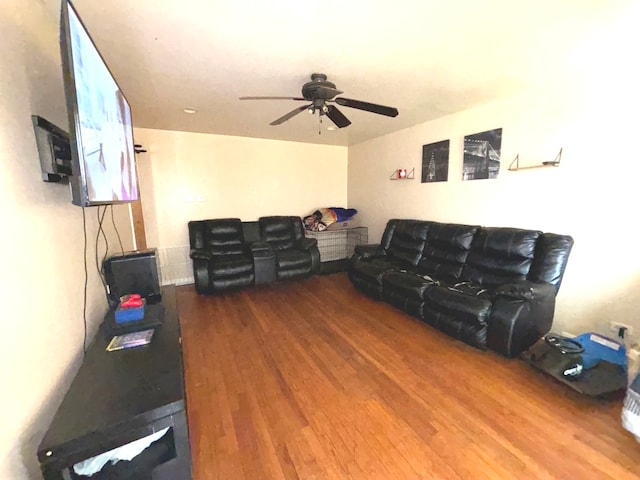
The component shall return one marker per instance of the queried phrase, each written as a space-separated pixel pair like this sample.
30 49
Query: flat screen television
100 123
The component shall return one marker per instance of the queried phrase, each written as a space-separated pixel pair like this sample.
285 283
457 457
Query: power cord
86 284
98 267
116 230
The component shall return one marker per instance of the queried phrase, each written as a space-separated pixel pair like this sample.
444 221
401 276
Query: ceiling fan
321 93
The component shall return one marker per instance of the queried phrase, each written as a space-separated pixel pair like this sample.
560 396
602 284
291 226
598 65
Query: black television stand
118 397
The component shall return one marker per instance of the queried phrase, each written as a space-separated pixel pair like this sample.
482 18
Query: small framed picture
435 162
482 155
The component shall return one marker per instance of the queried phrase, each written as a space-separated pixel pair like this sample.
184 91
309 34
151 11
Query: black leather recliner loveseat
229 253
489 287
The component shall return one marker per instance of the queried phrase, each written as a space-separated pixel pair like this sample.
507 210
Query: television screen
100 126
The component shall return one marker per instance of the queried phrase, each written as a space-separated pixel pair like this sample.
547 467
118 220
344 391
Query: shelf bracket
409 174
553 163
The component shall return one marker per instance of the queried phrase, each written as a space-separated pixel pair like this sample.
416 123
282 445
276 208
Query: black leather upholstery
221 258
446 251
228 253
489 287
500 255
408 241
296 256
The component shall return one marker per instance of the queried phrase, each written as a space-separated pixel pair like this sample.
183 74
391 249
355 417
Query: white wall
590 110
42 244
191 176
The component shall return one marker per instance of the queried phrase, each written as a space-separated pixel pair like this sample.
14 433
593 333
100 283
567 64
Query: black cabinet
118 397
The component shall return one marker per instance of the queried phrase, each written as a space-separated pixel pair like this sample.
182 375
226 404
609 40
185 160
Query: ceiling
427 58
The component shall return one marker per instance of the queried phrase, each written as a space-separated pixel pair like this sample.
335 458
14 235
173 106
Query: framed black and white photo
482 155
435 162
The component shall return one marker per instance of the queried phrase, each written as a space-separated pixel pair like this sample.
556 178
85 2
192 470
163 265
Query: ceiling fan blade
292 113
337 117
322 91
369 107
271 98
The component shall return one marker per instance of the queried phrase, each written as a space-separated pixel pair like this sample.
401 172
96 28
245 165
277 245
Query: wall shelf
554 163
410 175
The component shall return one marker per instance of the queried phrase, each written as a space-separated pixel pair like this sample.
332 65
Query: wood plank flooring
313 380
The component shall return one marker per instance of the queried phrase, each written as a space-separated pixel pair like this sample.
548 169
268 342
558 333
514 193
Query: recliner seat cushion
472 334
374 269
292 263
231 265
225 283
404 283
457 314
367 275
231 271
474 310
405 290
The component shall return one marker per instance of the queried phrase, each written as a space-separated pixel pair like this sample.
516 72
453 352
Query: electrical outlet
616 326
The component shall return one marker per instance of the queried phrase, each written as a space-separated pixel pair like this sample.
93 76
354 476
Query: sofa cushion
446 250
500 255
224 236
552 254
407 242
231 265
376 267
403 283
472 309
277 231
470 333
293 259
367 274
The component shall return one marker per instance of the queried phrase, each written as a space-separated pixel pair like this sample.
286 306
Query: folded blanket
319 220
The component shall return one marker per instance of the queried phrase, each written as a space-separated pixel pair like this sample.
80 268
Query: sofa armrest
201 271
307 243
525 290
521 314
310 245
199 254
369 250
260 249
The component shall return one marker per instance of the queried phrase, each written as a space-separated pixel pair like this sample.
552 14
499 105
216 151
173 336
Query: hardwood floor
313 380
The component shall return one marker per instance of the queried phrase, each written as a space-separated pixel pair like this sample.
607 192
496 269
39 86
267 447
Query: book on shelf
130 340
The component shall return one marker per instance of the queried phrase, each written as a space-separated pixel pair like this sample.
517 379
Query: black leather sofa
489 287
229 253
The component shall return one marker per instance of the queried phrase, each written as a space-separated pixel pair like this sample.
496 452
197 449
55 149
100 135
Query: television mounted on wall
100 121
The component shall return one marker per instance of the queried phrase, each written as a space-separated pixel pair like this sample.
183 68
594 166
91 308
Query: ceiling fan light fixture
331 128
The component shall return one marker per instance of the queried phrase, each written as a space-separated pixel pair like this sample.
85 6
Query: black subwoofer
133 272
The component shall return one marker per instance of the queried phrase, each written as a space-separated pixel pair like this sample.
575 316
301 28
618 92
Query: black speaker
133 272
